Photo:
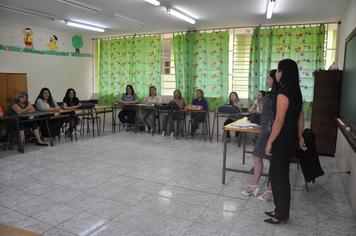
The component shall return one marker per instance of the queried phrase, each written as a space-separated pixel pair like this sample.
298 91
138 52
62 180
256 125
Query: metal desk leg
244 147
104 120
208 125
212 131
19 141
49 132
224 158
92 119
137 120
217 127
114 120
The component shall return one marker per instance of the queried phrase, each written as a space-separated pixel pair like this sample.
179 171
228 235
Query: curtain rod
222 28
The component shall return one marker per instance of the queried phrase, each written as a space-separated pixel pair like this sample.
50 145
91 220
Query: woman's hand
268 149
302 144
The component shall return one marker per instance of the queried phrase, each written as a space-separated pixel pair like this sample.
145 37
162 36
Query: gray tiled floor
135 184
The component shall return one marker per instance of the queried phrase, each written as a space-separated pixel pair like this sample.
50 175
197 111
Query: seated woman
257 105
197 118
45 102
20 106
169 118
235 102
127 116
152 99
70 102
256 108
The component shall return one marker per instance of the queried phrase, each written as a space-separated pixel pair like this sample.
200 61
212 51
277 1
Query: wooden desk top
6 230
103 107
227 114
234 127
134 105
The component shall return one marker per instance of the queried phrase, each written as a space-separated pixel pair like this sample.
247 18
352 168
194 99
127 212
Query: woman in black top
70 102
286 132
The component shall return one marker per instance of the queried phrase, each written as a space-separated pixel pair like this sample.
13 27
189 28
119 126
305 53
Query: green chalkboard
348 91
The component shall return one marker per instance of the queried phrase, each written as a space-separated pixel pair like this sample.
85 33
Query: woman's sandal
266 196
250 190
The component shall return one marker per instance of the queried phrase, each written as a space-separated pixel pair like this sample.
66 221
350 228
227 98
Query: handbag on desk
228 109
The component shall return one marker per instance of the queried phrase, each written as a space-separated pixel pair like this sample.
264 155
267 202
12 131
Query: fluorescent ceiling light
128 20
181 15
270 8
80 5
84 26
153 2
26 12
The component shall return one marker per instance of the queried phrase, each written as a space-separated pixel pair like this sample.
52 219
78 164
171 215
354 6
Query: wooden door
3 90
16 82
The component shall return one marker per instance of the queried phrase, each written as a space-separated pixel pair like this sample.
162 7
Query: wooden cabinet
10 84
326 107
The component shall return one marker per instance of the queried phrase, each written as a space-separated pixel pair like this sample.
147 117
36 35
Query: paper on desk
243 124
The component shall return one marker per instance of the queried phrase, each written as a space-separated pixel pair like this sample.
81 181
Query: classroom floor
135 184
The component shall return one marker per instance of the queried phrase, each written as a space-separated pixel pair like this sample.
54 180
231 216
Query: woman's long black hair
290 81
132 89
50 99
276 85
237 96
66 97
180 94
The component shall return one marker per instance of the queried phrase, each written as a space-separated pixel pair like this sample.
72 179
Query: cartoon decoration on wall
27 39
77 43
53 43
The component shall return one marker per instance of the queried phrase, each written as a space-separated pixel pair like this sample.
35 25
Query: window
239 55
330 49
239 59
168 82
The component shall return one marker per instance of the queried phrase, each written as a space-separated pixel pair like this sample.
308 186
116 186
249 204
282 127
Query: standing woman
286 132
259 151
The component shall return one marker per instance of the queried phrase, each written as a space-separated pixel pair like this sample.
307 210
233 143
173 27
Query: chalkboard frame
351 36
348 128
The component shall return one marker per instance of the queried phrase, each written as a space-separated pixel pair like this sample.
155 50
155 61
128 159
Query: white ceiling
209 13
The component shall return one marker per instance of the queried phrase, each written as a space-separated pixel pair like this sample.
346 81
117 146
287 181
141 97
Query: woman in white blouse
152 99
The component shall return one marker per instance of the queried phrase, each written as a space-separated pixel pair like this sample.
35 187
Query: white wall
348 23
55 72
344 154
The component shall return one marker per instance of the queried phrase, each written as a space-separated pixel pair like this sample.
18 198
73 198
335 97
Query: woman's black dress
283 148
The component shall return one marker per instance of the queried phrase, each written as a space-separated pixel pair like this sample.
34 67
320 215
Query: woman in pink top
152 99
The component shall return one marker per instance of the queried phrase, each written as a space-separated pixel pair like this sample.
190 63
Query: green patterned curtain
304 44
201 61
132 60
